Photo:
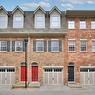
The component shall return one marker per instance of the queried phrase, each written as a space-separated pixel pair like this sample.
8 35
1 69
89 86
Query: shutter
34 45
45 46
24 46
60 45
8 46
13 45
49 45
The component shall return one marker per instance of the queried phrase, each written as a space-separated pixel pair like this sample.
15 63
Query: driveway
49 90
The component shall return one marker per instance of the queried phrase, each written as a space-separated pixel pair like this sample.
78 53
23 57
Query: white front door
53 76
7 75
87 76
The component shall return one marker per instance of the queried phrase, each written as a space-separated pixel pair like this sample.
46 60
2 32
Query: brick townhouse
47 47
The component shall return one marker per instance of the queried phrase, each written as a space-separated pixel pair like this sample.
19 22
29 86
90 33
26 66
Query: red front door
34 73
23 73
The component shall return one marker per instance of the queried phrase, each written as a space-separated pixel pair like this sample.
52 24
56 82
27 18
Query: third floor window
82 24
3 21
71 24
18 22
55 22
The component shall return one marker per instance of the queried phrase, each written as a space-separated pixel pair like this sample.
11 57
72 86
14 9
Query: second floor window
3 45
3 21
18 46
55 22
39 21
83 45
18 22
93 45
39 45
71 24
82 24
71 45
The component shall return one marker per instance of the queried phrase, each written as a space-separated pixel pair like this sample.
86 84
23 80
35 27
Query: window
18 46
93 45
3 45
71 24
71 45
18 22
39 21
83 45
3 21
39 45
54 45
92 24
55 22
82 24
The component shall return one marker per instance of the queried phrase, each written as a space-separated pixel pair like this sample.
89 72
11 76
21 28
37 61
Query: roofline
2 8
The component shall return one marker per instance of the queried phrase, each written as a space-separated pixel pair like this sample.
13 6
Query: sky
30 5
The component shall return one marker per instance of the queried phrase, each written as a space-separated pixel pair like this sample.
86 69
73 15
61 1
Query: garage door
87 76
7 75
53 76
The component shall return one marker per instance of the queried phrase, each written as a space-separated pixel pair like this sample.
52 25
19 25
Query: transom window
55 22
18 22
71 24
71 45
93 45
3 21
18 45
3 45
54 45
82 24
83 45
39 21
39 45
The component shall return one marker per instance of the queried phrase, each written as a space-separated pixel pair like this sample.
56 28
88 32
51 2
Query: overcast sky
29 5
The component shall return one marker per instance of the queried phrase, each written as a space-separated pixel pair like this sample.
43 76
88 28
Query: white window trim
22 26
16 46
91 25
85 25
86 44
51 21
35 20
68 45
69 27
6 25
92 44
55 40
0 46
36 47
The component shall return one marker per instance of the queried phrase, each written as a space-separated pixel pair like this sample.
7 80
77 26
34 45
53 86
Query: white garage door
87 76
53 76
7 75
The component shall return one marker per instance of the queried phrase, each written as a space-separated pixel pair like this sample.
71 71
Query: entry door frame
53 73
72 64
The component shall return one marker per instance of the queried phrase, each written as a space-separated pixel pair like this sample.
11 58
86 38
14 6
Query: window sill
71 51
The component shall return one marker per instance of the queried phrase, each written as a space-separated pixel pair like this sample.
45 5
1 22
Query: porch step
34 84
74 85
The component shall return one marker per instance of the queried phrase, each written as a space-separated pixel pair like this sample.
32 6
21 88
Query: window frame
81 46
69 24
5 23
15 23
3 46
93 26
82 24
43 21
54 47
74 45
17 46
42 40
59 22
93 40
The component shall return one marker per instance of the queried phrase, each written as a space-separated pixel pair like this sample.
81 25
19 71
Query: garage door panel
87 76
53 76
